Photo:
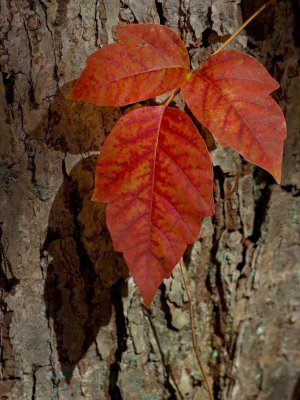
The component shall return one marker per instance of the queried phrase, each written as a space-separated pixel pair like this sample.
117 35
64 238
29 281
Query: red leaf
155 171
150 60
229 94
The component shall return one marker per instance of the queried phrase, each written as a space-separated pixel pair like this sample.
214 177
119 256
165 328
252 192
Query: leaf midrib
152 189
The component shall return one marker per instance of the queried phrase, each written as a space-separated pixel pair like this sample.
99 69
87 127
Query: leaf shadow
83 270
76 127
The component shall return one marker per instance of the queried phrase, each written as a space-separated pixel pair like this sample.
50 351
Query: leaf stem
192 320
243 26
169 99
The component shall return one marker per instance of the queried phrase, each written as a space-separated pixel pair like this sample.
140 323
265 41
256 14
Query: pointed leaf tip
229 95
155 171
149 61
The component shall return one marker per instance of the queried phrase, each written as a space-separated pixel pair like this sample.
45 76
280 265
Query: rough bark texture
72 323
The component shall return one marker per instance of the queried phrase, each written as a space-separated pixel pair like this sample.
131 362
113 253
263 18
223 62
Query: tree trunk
72 321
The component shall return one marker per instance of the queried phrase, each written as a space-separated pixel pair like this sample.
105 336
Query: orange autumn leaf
149 60
229 95
155 171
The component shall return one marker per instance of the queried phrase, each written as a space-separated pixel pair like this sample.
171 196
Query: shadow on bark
296 392
83 269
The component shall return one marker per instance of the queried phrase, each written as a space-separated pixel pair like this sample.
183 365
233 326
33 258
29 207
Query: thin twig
232 191
167 367
169 99
228 196
192 320
243 26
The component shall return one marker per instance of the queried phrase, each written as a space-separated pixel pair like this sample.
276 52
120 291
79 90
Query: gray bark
72 324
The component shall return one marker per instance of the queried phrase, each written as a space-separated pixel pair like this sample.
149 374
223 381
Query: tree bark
72 324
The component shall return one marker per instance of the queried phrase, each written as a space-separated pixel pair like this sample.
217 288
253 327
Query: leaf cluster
154 170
